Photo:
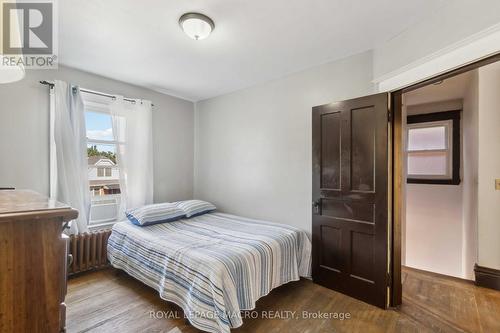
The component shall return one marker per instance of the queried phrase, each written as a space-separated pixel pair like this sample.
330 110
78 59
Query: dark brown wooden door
350 197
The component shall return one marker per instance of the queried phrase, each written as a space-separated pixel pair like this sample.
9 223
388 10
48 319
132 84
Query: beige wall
253 147
489 166
24 132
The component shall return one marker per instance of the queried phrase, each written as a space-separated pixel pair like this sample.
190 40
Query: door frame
398 175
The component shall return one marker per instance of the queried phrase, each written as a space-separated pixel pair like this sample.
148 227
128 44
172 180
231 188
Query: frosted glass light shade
196 26
11 73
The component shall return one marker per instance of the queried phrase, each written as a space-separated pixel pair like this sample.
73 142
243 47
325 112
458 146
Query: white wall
24 132
434 228
253 147
453 23
489 166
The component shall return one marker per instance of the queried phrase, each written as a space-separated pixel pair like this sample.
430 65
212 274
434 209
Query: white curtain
69 171
132 129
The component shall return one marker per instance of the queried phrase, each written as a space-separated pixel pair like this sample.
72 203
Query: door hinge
389 116
388 279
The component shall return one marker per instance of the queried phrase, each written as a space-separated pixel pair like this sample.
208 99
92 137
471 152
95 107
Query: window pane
427 138
99 126
427 164
104 181
97 151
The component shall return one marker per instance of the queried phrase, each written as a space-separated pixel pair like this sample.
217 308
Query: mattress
214 265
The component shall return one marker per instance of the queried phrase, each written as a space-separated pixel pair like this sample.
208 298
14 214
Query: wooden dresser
33 262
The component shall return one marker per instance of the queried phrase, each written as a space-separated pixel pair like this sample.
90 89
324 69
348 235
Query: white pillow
195 207
153 214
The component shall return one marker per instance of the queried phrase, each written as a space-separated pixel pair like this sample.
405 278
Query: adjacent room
441 192
249 166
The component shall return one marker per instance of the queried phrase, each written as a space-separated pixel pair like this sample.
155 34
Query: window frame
102 107
448 151
431 120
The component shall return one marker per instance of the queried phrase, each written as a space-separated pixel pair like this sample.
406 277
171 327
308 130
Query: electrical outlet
497 184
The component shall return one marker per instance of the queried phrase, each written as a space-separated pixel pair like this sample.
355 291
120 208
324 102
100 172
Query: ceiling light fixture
196 25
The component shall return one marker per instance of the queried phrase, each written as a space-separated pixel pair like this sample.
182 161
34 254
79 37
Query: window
433 142
103 170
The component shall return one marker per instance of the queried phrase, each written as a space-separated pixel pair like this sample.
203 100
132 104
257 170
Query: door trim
466 51
399 180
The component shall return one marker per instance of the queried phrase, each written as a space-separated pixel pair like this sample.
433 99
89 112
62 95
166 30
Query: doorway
436 213
440 220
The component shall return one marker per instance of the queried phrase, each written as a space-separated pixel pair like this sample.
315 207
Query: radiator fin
89 251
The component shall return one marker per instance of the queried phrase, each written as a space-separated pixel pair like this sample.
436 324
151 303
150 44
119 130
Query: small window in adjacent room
433 142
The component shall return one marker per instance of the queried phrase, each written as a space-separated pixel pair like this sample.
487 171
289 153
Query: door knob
316 204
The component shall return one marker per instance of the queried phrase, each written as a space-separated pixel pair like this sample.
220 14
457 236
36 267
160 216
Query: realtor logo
29 32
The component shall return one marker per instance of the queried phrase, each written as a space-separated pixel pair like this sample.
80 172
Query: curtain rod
51 85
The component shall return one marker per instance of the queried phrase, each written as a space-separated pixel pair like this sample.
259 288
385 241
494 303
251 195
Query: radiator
88 251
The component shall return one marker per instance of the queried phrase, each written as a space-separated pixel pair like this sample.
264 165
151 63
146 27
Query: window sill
101 226
433 181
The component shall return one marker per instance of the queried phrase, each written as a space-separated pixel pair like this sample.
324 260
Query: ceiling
452 88
254 40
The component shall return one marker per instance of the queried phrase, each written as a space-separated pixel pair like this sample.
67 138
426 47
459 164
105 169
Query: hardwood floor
109 300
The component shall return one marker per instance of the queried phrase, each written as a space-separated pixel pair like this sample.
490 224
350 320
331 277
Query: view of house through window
103 170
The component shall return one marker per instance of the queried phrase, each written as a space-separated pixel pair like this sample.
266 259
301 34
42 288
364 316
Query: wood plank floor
109 301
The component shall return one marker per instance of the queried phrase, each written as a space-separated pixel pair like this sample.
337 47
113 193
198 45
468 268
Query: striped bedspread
213 265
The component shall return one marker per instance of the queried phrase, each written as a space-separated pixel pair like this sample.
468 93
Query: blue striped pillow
153 214
195 207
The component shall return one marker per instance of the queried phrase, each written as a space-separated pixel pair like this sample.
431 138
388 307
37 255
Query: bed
214 265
